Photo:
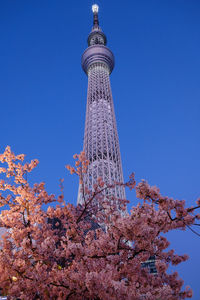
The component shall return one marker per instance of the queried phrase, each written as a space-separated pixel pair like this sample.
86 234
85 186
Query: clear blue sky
156 91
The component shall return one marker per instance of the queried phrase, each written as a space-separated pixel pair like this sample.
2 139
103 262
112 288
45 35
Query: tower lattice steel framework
101 142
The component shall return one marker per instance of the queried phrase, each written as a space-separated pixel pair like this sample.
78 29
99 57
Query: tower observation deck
101 142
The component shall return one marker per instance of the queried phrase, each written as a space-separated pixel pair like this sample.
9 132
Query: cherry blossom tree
90 251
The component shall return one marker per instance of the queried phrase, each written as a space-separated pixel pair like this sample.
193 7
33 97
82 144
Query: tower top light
95 8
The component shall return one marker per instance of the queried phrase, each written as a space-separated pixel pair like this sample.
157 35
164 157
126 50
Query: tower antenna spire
95 9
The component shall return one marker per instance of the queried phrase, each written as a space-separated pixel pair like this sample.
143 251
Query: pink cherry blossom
90 251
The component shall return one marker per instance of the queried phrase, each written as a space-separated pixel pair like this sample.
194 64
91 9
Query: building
101 142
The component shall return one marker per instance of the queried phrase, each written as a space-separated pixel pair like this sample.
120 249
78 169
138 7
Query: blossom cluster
90 251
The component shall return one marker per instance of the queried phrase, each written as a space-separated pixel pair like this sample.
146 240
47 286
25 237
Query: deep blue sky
156 91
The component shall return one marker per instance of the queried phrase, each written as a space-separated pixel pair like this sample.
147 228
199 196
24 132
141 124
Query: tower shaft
101 143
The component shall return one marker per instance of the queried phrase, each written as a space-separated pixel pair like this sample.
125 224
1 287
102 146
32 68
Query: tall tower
101 143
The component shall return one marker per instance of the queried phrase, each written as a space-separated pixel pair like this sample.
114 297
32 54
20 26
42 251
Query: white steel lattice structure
101 142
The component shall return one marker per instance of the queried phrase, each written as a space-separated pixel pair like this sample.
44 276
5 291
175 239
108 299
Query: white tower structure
101 142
